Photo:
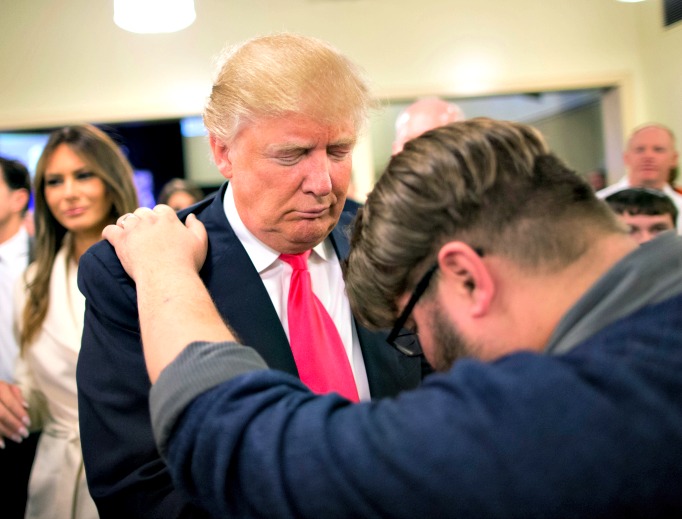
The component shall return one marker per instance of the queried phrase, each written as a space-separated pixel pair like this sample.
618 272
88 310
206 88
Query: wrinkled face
650 157
645 227
290 176
76 197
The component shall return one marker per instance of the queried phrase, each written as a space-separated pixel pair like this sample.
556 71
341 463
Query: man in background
15 192
559 343
646 212
283 118
596 178
650 157
421 116
15 249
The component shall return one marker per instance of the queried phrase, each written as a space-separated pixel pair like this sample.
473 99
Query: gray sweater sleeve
200 367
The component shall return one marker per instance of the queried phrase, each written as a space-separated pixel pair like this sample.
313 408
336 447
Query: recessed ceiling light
154 16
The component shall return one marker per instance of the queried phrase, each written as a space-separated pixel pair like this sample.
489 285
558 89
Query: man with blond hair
283 118
650 158
558 340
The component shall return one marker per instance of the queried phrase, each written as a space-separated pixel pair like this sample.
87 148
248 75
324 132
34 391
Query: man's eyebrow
288 147
346 141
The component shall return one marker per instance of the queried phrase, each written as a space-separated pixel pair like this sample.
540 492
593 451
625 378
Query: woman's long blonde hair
103 156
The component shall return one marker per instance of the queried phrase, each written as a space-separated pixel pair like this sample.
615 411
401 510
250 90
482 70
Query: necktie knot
297 261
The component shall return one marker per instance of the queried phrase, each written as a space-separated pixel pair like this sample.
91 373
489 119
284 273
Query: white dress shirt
13 262
327 282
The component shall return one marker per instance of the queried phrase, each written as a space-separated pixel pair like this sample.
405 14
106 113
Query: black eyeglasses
405 341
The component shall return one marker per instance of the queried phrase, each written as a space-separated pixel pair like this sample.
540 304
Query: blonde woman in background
82 183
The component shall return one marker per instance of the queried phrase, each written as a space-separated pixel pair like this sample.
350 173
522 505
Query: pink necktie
315 342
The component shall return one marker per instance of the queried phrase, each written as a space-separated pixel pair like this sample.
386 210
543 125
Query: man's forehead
299 127
652 133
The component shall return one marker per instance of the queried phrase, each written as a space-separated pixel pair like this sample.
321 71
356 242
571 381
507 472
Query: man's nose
318 177
645 236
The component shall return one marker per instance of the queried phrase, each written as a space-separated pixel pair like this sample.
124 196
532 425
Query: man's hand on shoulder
154 242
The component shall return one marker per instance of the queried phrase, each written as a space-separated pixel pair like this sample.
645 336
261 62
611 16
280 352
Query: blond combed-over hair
270 76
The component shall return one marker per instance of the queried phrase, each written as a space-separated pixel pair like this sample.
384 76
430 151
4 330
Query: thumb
197 228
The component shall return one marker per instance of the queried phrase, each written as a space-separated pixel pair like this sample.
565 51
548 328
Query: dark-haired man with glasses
558 339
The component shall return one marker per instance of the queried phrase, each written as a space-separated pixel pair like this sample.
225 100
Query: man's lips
316 212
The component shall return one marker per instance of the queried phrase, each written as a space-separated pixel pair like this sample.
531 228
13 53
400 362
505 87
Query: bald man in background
421 116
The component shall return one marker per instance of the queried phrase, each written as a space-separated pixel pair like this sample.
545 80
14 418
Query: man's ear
468 275
220 152
19 200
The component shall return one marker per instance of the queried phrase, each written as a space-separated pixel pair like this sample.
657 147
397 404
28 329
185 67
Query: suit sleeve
125 474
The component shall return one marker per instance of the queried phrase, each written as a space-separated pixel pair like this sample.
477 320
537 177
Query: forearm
172 319
200 367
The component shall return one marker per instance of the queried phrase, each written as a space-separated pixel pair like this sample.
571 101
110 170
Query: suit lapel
238 291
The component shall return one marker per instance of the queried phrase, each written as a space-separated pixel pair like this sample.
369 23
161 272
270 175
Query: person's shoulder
102 250
200 207
675 196
350 210
351 206
98 266
621 185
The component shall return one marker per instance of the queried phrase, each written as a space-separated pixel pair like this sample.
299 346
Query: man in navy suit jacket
558 342
282 118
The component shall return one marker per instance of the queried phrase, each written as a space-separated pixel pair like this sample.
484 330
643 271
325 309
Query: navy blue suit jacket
126 476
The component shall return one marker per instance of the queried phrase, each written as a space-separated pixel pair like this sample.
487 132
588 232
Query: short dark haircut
15 175
642 201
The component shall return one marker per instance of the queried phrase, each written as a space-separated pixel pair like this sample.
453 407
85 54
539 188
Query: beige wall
661 50
575 136
65 60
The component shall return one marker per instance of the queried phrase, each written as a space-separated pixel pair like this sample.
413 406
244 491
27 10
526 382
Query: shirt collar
667 189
